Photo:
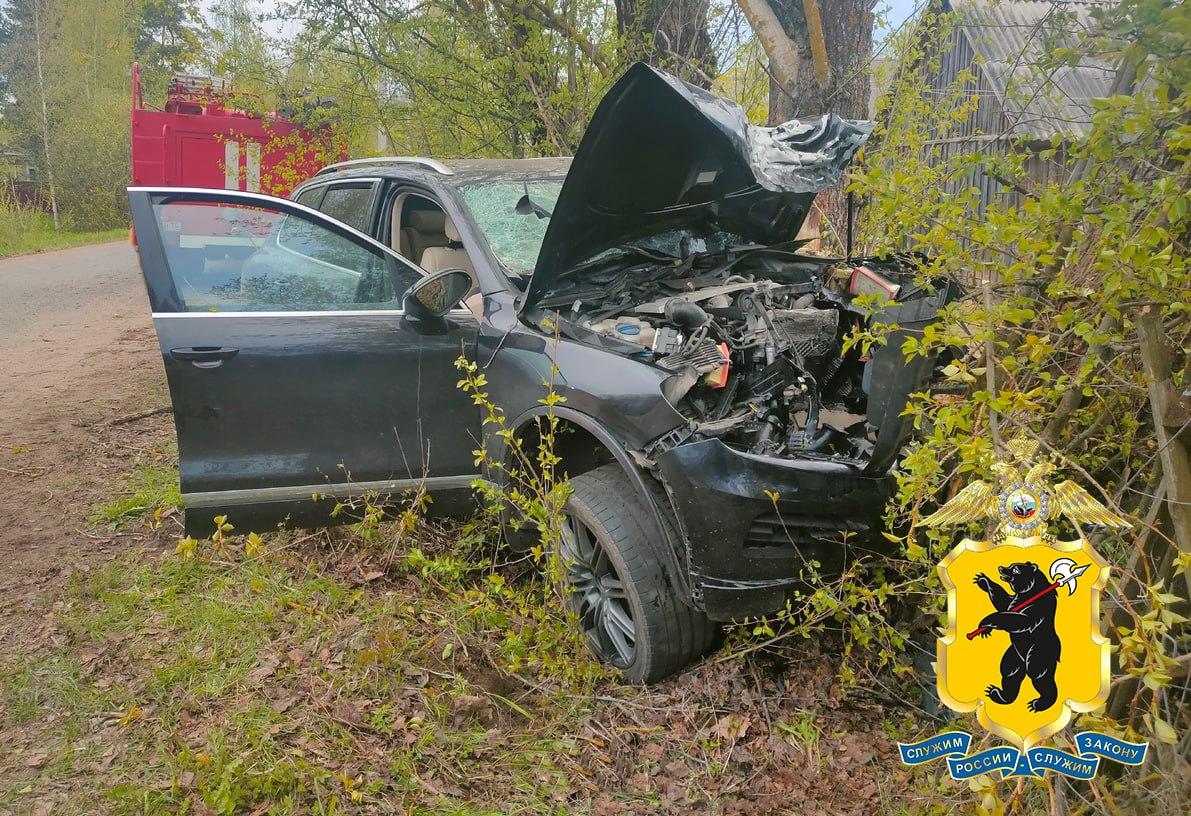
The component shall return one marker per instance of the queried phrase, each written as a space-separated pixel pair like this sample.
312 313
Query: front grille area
771 530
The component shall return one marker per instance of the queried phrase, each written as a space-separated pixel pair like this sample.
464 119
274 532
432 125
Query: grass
309 677
302 680
150 489
384 669
38 684
373 670
24 231
241 682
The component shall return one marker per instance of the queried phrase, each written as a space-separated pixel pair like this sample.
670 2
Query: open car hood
660 155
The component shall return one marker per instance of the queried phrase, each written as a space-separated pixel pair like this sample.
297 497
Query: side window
312 197
239 258
349 203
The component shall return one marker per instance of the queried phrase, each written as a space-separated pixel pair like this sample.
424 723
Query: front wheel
616 585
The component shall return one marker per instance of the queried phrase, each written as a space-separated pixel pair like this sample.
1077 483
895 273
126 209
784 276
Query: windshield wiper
527 206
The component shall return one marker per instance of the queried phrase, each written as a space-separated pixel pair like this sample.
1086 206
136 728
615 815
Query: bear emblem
1041 592
1029 618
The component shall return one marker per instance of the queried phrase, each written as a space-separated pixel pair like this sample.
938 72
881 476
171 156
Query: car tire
614 581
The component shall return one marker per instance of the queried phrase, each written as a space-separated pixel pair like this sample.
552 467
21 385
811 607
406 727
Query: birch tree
819 58
26 30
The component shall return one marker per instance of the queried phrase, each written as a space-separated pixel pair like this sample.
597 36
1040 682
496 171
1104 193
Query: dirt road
74 286
76 350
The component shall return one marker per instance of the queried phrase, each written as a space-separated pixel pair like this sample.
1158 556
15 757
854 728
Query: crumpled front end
754 346
788 431
757 526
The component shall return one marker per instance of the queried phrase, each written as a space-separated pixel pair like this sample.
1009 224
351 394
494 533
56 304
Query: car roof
450 172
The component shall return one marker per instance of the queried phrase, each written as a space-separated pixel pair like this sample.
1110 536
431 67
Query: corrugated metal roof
1010 39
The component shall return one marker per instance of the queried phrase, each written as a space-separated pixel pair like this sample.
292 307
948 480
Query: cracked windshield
515 238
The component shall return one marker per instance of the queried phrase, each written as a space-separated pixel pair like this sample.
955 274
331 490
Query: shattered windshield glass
514 238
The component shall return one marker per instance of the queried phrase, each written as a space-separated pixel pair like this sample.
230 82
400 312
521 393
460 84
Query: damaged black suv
717 434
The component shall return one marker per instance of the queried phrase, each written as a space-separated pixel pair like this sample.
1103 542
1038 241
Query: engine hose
765 434
812 405
821 439
687 315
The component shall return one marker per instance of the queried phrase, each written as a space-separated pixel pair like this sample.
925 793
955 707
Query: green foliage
66 69
25 229
169 38
746 81
151 489
440 78
449 79
524 490
1058 268
530 489
493 78
802 732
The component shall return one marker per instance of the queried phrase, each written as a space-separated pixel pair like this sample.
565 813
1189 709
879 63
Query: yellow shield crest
1023 647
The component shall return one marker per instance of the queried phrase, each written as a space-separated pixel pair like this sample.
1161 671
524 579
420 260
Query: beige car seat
451 256
425 230
454 256
397 236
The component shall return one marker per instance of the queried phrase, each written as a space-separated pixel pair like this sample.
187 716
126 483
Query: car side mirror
433 296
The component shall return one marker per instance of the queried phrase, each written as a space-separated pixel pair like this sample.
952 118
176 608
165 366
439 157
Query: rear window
351 204
310 198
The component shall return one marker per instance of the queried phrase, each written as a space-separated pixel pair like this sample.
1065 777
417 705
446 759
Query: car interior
422 232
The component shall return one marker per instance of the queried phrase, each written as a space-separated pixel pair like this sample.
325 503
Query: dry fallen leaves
469 707
731 727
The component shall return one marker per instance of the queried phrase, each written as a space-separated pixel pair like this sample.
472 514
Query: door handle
204 356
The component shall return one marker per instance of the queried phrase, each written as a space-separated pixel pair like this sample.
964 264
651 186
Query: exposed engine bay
753 338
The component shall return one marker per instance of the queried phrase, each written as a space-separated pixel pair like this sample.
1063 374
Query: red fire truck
200 140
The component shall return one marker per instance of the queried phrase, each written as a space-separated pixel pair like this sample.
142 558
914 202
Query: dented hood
660 154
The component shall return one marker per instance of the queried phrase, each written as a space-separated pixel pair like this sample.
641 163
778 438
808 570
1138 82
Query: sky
898 11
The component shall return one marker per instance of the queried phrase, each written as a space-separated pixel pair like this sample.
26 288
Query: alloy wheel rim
596 593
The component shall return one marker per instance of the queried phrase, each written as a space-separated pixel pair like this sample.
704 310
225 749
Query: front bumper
746 551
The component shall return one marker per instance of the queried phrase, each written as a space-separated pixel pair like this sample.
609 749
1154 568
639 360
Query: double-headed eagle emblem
1025 501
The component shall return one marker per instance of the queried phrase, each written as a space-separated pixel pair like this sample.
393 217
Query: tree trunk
784 62
840 83
669 34
821 65
1172 449
45 115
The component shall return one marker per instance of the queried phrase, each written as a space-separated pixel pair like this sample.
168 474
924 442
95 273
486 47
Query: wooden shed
18 178
1020 107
